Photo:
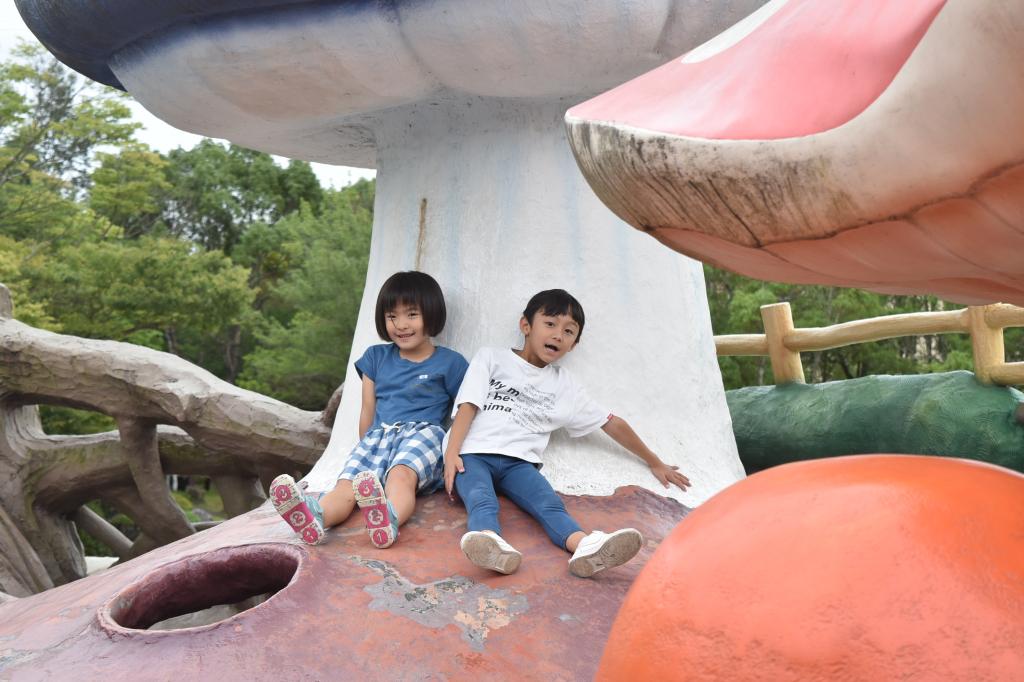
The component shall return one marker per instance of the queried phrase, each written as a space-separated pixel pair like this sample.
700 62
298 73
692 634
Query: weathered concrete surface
129 381
419 610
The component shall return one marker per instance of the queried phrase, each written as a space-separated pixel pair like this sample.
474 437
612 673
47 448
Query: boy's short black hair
415 289
556 302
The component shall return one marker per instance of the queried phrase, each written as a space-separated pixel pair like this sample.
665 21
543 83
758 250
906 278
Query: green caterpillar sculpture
949 414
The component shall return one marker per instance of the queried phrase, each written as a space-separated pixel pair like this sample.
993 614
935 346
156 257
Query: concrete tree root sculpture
173 418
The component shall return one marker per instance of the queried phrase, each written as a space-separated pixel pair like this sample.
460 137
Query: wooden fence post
986 343
778 322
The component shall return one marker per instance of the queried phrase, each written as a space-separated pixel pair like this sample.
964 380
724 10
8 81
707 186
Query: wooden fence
783 343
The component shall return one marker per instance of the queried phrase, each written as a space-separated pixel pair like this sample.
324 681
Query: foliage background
735 309
254 271
216 253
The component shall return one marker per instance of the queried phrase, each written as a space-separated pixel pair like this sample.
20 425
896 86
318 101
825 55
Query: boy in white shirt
509 403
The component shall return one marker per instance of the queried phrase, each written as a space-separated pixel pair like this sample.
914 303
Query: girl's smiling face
405 328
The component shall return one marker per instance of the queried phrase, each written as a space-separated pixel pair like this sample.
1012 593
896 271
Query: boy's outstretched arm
622 433
457 434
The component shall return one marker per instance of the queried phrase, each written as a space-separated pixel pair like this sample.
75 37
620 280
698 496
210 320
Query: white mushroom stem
485 195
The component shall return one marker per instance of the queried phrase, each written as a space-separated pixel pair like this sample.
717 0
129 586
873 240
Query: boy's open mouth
550 347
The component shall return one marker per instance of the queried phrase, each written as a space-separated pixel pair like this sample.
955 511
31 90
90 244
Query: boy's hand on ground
452 466
666 474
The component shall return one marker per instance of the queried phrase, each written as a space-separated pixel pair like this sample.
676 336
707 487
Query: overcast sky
156 133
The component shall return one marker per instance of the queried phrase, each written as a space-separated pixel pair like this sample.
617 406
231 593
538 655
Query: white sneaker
599 551
486 549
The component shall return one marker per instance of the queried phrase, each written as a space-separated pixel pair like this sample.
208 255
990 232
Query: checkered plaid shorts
417 445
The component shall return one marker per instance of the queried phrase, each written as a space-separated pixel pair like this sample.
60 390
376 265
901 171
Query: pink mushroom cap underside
810 67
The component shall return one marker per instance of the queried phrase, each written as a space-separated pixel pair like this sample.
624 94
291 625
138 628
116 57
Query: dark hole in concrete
213 614
205 589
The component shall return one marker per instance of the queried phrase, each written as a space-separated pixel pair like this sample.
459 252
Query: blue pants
519 481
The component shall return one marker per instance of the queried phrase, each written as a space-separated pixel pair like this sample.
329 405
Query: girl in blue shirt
408 387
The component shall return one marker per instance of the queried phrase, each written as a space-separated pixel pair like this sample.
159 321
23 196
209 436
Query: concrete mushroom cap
289 71
85 35
865 144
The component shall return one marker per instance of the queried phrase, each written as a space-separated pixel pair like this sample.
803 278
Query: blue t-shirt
412 391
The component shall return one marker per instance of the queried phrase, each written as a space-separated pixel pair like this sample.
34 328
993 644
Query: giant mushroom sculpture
868 144
459 106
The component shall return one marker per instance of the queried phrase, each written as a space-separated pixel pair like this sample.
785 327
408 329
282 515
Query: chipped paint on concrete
474 607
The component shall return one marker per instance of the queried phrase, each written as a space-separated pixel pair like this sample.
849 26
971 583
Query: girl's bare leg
338 504
400 489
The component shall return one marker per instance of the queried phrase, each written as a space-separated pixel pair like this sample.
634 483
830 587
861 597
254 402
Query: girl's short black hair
415 289
556 302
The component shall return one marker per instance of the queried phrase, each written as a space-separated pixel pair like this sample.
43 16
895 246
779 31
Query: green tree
128 291
51 124
129 189
216 253
735 303
219 192
15 259
303 347
297 183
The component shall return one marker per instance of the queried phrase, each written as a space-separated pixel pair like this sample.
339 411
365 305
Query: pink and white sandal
379 515
299 511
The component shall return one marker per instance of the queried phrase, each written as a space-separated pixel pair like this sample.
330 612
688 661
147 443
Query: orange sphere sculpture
874 567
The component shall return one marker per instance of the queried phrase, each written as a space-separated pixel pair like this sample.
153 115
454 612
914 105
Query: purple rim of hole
188 584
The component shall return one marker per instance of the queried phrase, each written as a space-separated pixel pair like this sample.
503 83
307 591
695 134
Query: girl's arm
456 436
623 434
369 407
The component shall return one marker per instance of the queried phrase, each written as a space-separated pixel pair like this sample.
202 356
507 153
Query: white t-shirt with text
521 404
